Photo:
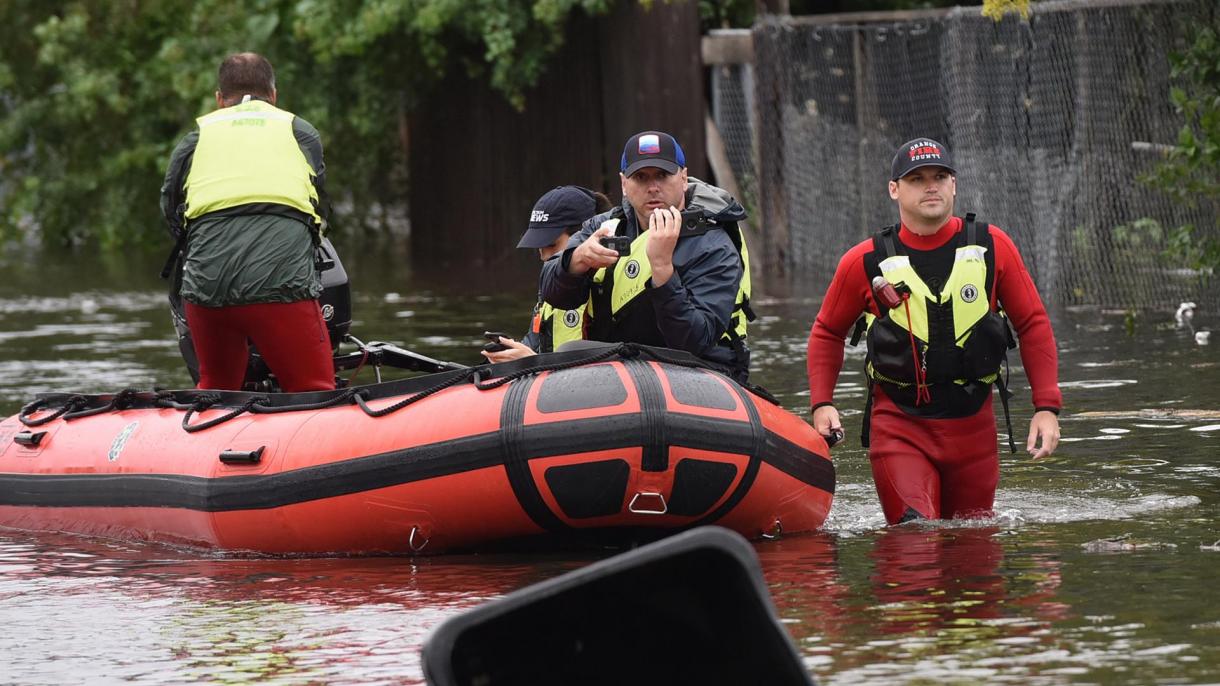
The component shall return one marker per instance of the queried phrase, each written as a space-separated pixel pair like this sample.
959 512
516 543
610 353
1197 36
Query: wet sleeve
847 297
310 142
173 188
694 306
1019 298
558 287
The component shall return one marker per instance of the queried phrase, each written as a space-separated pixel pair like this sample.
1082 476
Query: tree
94 94
1191 170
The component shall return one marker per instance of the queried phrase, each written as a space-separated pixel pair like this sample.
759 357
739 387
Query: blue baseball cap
652 149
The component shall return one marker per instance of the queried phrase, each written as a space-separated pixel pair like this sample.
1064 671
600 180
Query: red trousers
291 337
940 468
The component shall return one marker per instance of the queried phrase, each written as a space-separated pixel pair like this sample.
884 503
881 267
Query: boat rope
344 398
120 401
76 406
72 403
623 350
471 372
699 364
203 402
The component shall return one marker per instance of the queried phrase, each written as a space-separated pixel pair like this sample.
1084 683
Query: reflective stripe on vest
247 154
632 272
556 327
965 290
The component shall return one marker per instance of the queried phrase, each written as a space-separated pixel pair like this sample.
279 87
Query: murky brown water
1100 568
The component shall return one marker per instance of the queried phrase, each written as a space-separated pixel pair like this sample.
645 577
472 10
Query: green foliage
726 14
1191 170
94 94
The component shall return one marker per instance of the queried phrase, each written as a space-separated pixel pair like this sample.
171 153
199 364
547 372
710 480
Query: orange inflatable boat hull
613 450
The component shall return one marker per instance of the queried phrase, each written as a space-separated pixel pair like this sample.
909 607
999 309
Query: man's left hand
1044 426
664 225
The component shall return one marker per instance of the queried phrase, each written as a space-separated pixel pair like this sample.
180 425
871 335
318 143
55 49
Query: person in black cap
684 283
935 292
558 214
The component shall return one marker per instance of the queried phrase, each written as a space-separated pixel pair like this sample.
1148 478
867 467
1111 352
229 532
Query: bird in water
1185 313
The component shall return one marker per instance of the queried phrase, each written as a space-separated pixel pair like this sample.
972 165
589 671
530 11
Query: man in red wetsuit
936 341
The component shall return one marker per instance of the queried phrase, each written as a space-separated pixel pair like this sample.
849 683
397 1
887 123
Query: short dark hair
601 202
246 73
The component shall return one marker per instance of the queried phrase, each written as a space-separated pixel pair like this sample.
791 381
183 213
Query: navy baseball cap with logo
920 152
652 149
558 209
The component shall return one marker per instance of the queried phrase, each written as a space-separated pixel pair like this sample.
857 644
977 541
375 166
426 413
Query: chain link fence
1051 122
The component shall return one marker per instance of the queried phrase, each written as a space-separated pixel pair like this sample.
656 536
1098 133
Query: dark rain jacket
240 256
690 311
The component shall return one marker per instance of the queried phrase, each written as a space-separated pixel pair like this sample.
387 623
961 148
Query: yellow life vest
969 347
632 272
555 327
248 154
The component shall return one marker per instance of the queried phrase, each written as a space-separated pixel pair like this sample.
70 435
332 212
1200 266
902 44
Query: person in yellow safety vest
683 279
244 199
558 214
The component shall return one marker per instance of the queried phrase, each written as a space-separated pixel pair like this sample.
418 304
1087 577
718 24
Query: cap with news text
559 209
920 152
652 149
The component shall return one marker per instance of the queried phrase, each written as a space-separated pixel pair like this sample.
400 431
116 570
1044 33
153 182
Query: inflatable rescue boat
611 445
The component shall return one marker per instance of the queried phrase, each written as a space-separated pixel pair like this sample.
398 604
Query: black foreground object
689 609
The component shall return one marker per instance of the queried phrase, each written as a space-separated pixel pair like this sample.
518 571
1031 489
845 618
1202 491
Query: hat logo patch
970 293
632 269
539 216
650 144
571 318
924 151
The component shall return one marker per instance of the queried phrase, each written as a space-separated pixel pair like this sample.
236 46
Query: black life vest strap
738 345
889 240
866 423
174 260
1005 394
858 332
744 308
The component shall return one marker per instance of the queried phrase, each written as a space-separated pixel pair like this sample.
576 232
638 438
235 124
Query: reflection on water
1098 567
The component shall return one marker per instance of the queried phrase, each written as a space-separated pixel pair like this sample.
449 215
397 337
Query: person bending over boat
557 215
935 292
680 277
243 197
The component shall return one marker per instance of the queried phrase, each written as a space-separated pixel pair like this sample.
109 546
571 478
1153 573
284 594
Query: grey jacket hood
717 202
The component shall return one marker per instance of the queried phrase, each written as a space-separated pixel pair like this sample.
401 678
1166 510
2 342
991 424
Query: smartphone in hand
494 345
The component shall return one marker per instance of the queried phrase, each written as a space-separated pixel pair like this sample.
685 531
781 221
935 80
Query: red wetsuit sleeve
1019 298
847 297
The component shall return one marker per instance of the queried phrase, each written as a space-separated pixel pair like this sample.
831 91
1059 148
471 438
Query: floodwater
1099 568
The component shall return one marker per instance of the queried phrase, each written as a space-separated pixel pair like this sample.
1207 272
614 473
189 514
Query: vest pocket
985 348
889 351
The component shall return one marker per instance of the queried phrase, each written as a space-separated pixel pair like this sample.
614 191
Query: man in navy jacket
676 287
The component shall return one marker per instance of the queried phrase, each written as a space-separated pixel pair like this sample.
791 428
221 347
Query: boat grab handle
242 456
649 504
29 438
